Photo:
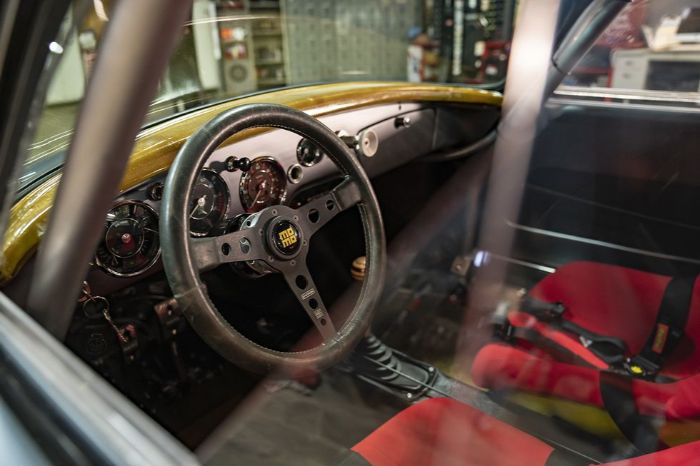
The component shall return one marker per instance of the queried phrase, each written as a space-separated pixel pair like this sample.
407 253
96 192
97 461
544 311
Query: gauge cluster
130 245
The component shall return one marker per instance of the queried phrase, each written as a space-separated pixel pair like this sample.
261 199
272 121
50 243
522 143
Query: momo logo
287 237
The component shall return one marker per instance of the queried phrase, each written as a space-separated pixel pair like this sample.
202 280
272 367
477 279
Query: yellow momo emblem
288 237
285 239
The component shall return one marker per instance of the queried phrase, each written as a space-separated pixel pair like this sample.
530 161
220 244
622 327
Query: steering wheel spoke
239 246
303 286
322 209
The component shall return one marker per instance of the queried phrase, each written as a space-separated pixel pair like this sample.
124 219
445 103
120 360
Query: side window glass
651 47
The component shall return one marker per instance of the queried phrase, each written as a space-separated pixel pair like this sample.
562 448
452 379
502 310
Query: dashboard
276 167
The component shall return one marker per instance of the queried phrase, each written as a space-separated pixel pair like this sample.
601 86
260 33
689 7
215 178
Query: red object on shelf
494 60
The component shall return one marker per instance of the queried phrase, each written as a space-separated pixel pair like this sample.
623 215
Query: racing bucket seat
607 348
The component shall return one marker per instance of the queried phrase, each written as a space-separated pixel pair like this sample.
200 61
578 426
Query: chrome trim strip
511 260
629 94
622 105
604 244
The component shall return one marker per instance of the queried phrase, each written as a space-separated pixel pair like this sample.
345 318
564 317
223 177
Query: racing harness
615 382
667 332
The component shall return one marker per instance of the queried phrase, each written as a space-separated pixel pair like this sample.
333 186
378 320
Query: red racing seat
444 432
617 302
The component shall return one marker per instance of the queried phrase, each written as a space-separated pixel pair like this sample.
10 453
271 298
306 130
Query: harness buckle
639 366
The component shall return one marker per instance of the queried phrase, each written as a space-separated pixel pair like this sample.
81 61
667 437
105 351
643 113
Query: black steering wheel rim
182 268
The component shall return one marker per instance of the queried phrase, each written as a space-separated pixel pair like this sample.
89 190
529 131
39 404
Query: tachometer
263 185
130 245
210 199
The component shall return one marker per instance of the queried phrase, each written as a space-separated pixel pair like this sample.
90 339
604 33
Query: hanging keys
96 307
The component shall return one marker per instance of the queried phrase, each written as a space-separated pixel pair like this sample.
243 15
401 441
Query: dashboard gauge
209 202
308 153
263 185
130 244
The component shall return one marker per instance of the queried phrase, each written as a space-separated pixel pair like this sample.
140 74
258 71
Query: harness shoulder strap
668 329
640 430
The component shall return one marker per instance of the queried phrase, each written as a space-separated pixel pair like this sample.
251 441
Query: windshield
234 48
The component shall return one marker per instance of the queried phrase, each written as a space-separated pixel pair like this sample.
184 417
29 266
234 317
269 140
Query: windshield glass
234 48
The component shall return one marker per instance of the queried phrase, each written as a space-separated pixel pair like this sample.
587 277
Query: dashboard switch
402 122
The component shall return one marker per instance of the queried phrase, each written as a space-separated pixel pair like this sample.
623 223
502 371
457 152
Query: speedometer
130 244
263 185
209 203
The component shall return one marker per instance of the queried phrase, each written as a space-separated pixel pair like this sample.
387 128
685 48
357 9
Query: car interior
297 275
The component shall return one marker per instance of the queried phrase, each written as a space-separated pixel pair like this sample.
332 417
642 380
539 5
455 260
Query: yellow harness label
660 338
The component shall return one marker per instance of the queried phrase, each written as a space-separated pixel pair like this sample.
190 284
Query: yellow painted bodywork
156 147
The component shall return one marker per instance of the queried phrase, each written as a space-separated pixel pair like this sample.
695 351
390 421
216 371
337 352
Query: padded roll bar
139 41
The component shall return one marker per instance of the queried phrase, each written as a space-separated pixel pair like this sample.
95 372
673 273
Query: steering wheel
277 236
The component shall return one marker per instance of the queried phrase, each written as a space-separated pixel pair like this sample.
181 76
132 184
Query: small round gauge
263 185
130 245
209 203
308 153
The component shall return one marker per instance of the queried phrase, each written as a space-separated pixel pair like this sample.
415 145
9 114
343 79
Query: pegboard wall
330 40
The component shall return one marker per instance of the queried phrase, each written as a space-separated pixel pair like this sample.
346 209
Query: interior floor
289 423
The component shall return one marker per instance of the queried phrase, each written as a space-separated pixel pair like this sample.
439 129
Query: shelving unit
237 42
268 43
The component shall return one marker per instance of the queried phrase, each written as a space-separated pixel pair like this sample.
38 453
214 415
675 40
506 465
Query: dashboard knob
359 266
368 143
234 163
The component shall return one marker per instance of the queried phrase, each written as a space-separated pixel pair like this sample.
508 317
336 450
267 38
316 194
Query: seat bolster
503 367
442 431
445 432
